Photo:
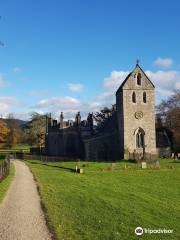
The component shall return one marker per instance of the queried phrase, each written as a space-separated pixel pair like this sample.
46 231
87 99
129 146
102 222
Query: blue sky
72 55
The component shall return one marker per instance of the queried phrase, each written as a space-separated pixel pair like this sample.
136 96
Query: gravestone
113 166
80 170
157 164
144 165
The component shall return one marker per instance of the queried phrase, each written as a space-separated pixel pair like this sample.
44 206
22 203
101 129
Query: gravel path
21 217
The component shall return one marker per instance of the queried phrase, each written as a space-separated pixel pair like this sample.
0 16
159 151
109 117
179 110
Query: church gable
137 79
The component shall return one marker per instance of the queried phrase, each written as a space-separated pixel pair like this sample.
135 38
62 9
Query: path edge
12 180
43 208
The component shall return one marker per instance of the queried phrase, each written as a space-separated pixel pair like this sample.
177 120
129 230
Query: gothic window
139 79
140 138
134 97
144 97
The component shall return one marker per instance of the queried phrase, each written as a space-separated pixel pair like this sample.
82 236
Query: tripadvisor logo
139 231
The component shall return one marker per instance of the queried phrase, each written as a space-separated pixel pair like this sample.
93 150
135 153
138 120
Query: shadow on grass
176 161
127 161
53 166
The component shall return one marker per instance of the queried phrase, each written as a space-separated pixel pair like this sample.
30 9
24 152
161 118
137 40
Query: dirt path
21 217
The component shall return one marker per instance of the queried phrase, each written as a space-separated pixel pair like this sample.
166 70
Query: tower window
139 79
144 97
140 139
134 97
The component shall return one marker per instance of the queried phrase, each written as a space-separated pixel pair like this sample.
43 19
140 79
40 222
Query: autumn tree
4 131
14 133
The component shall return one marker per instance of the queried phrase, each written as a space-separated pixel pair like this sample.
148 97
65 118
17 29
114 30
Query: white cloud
164 81
114 80
163 93
17 70
7 104
177 85
163 62
58 103
75 87
70 106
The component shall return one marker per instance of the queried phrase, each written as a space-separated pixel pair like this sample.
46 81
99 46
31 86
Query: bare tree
100 117
169 116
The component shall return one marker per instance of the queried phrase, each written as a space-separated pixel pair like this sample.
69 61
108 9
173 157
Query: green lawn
17 148
6 182
105 204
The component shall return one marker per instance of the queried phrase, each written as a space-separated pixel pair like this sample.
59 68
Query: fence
4 168
44 158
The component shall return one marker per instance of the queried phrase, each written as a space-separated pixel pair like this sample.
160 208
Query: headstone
80 170
157 164
113 166
144 165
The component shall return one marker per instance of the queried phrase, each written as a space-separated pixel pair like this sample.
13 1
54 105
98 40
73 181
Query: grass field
4 185
105 204
17 148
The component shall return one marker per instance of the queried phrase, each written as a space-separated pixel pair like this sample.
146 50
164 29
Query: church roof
137 66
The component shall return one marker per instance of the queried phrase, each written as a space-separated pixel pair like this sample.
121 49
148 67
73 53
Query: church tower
135 103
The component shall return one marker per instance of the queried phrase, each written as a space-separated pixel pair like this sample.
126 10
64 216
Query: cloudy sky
67 55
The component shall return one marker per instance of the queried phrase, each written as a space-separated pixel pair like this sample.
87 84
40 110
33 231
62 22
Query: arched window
140 138
134 97
139 79
144 97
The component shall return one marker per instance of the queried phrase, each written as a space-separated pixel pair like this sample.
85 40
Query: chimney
78 119
61 120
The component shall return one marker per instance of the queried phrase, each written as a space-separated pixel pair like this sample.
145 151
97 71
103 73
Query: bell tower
135 102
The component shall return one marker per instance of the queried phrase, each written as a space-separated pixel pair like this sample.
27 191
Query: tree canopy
35 130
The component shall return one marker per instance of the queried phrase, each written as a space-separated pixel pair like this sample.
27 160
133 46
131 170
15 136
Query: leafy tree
35 130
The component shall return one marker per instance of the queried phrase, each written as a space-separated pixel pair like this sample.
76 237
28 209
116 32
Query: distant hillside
20 123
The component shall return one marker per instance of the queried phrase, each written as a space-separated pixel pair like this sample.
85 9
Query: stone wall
65 142
102 148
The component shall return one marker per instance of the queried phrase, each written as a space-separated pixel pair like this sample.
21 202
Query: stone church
127 133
